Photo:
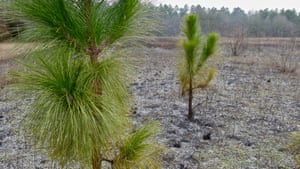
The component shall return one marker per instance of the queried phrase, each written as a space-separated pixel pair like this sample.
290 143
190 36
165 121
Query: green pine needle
196 54
139 150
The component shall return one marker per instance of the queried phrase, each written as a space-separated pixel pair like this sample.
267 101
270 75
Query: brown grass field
172 42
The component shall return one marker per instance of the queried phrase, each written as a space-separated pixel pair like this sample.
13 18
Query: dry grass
7 57
6 51
172 42
162 42
276 41
283 62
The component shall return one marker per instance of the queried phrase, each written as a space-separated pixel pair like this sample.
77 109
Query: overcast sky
247 5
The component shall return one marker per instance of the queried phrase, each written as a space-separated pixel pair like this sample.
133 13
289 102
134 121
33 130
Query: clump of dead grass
294 147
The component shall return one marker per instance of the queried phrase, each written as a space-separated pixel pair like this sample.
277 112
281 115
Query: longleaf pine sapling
193 71
81 101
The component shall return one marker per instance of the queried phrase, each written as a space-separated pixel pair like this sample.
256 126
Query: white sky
247 5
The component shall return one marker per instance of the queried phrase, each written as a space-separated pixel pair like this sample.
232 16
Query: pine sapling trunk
93 52
191 114
96 159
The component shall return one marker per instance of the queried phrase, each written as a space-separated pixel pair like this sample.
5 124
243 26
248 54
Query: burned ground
243 120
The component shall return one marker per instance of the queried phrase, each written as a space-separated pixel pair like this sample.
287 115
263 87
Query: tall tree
193 73
80 86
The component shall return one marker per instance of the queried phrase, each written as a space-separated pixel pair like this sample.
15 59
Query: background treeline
228 23
262 23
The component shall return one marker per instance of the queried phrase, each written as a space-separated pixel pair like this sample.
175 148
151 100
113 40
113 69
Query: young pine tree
193 73
80 94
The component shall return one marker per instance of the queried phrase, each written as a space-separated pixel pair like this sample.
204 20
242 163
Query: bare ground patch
6 59
248 112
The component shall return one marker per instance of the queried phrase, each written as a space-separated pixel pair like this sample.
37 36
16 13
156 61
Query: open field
250 110
171 42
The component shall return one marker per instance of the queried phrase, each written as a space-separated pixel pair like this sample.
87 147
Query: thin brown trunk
94 58
96 160
93 52
191 114
96 154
